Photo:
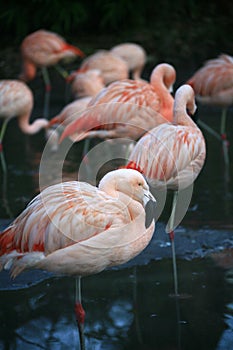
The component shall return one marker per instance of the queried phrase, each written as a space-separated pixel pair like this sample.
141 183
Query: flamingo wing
127 109
60 216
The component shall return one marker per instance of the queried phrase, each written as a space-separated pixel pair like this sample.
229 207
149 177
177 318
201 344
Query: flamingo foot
80 318
1 147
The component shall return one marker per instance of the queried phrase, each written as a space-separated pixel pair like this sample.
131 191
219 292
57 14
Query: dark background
183 32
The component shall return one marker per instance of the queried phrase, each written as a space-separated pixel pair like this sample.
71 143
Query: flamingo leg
47 82
172 239
4 169
225 142
79 312
64 75
209 129
2 133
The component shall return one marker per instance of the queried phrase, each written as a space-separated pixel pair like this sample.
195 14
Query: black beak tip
150 210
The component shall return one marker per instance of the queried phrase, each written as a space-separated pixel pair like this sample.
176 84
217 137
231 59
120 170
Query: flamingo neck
184 100
28 71
33 128
132 206
162 79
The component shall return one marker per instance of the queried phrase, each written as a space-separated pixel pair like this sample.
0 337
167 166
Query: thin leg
209 129
4 170
79 313
64 75
47 82
135 299
61 71
225 142
172 239
2 133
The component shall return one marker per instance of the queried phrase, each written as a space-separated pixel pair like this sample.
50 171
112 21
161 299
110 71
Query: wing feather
62 215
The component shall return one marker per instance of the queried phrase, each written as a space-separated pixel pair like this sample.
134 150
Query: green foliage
164 26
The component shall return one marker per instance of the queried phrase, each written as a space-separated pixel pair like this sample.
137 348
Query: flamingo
134 55
74 228
172 154
213 85
42 49
86 83
127 108
16 100
112 67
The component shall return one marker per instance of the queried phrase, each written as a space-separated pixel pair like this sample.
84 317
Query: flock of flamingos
73 227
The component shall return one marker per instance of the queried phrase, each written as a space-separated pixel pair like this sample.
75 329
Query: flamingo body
172 155
134 55
112 67
74 228
213 83
127 108
87 83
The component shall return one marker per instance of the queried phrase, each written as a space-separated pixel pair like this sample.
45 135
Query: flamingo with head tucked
213 85
112 67
74 228
85 85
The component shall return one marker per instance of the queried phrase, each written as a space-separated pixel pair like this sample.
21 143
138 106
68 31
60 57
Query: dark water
129 307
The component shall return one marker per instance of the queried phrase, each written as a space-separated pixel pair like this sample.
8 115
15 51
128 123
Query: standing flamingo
112 67
16 100
127 108
134 55
213 85
42 49
74 228
172 154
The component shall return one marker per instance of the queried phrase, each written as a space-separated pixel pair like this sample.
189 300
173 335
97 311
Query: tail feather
80 125
18 262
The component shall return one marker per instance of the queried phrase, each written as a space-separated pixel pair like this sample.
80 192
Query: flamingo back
170 156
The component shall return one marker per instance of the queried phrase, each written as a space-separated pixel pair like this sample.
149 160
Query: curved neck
33 128
184 100
162 79
134 207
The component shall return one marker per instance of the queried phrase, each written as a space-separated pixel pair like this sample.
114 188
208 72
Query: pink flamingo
213 85
42 49
127 108
85 85
134 55
16 100
172 154
73 228
112 67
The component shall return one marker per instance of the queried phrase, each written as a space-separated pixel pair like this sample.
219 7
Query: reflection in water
41 317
